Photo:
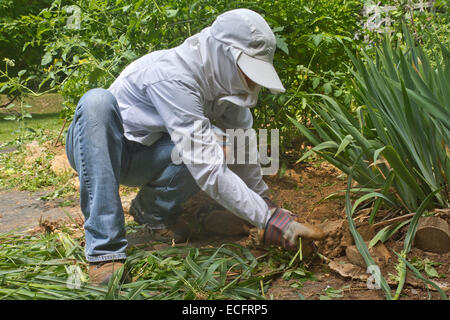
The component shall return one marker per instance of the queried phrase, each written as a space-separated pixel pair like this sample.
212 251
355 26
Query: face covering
220 76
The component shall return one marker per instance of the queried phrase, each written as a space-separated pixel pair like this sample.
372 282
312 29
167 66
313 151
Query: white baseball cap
247 31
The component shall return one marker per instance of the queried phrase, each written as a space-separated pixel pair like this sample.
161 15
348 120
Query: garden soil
301 189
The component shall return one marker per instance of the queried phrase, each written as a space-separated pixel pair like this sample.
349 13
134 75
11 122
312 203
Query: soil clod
379 253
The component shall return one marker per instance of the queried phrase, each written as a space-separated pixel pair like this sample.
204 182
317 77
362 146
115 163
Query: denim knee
99 105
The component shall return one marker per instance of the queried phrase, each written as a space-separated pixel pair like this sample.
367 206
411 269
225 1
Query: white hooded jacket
170 90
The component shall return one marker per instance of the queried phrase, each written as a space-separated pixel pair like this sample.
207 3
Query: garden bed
301 189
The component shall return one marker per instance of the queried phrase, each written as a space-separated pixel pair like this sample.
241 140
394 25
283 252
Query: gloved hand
282 230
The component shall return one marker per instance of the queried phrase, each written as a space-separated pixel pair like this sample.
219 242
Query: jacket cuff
272 205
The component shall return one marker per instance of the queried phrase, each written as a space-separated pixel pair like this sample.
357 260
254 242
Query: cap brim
261 72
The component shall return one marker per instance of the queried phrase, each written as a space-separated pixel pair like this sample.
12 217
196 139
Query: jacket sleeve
181 108
235 117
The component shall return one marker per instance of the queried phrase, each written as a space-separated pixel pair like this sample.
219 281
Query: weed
427 266
33 173
332 293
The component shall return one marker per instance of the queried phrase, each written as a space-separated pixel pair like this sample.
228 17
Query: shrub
397 143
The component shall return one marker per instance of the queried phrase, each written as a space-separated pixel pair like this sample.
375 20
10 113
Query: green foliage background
15 32
45 52
113 33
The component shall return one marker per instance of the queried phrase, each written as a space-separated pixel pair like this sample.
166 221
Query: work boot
223 222
177 233
101 272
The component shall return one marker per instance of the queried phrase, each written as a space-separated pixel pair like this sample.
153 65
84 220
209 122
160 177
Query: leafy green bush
397 144
88 47
113 33
16 30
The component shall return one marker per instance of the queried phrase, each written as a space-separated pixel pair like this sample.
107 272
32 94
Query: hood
215 63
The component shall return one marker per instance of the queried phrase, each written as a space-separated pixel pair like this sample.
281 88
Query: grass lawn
45 113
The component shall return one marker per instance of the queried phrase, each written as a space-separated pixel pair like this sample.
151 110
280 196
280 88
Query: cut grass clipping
52 266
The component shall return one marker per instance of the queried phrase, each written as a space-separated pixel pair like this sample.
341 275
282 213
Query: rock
75 181
225 223
379 253
8 150
33 148
33 152
366 231
432 235
60 164
346 269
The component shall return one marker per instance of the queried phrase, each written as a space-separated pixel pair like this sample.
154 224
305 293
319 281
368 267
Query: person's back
204 64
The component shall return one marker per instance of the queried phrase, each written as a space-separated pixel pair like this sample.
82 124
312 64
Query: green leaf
367 197
304 103
384 190
419 276
377 153
430 271
345 142
46 14
305 131
307 9
359 241
46 59
281 44
315 82
384 234
125 8
277 29
327 88
338 93
41 29
401 171
316 39
415 220
319 147
95 75
170 13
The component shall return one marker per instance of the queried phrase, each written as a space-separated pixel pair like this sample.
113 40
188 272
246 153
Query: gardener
126 135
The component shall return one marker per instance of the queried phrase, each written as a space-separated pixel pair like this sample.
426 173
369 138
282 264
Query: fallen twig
60 132
396 219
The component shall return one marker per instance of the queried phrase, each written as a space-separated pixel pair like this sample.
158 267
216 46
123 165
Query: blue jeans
98 150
